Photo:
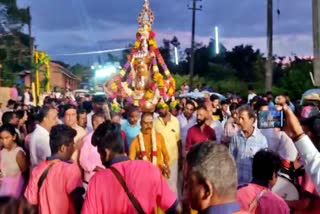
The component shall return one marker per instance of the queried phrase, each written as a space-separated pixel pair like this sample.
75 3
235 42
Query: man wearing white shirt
39 146
27 97
251 93
97 105
216 125
70 119
309 154
281 143
186 120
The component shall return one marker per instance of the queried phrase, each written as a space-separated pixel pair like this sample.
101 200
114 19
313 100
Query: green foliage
180 79
44 82
7 76
296 78
244 60
15 18
81 71
218 72
234 86
14 45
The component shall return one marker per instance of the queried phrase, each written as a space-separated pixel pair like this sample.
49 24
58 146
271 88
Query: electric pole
194 8
269 63
316 40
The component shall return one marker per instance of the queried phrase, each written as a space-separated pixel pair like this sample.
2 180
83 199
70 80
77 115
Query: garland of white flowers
154 147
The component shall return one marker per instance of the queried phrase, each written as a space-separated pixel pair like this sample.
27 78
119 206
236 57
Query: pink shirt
308 186
62 179
14 93
89 157
269 203
144 181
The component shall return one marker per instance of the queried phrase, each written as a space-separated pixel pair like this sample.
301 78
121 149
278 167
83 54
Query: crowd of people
187 156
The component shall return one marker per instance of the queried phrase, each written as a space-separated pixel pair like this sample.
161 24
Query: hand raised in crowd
292 125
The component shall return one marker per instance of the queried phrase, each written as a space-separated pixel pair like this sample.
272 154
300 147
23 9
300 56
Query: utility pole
269 63
316 40
194 8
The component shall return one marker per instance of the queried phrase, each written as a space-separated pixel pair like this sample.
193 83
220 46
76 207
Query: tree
14 43
175 42
296 78
165 51
212 49
81 71
112 58
201 57
243 59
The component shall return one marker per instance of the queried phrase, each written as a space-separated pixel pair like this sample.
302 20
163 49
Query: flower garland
154 147
115 106
161 86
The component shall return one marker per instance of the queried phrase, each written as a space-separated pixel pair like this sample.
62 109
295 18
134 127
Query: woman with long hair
13 163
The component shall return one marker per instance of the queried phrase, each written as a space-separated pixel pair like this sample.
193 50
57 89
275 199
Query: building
60 77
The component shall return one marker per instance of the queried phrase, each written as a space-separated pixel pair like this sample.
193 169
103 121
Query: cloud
62 26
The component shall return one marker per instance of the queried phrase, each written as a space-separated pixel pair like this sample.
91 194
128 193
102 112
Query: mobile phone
270 119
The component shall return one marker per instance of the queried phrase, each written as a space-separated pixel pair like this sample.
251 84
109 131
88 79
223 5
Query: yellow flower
148 94
167 72
114 87
137 44
160 83
170 91
152 42
156 76
122 73
162 105
173 104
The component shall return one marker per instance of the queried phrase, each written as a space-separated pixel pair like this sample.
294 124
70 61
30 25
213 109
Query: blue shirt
271 106
243 151
228 208
131 132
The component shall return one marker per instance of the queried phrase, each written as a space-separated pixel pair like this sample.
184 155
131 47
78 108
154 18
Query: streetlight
216 33
106 71
176 55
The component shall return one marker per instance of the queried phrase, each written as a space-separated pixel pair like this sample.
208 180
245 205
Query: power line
91 52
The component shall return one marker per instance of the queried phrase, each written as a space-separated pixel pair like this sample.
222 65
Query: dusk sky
69 26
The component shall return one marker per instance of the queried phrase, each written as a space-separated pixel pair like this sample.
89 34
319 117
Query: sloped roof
59 68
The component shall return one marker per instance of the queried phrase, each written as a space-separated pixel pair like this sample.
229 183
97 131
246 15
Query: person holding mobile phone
246 143
278 140
308 152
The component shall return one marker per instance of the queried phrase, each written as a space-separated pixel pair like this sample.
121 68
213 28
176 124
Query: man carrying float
143 84
150 145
